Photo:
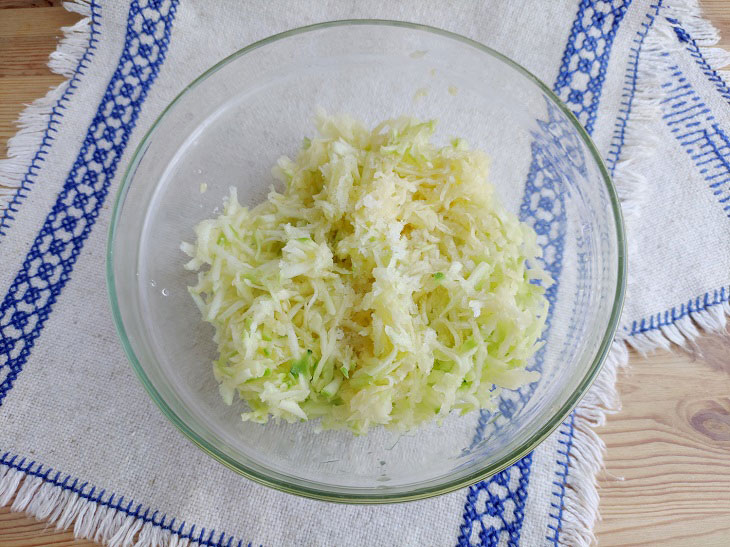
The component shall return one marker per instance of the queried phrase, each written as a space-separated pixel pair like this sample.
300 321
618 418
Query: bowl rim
370 496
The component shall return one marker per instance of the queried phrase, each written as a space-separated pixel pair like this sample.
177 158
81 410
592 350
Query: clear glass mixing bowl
230 126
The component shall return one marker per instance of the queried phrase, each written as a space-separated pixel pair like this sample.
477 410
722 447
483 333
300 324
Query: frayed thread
634 142
91 520
97 522
581 500
703 32
683 332
37 124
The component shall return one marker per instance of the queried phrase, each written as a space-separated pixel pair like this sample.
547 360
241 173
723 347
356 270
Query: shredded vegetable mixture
385 284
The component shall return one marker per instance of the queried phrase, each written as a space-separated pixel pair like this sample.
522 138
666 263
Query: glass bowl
229 127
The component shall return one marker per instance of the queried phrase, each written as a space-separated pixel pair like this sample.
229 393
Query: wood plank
25 55
14 94
718 11
667 478
24 74
28 36
18 530
16 4
46 21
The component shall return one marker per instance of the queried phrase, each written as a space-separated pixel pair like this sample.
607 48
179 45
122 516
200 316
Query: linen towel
82 444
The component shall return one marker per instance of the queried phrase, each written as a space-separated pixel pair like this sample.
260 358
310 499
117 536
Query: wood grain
667 477
11 89
718 11
14 4
27 37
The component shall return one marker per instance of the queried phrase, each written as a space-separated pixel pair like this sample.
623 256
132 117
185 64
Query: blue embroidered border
48 265
585 60
587 114
708 146
579 84
85 491
565 432
627 97
54 119
668 317
543 207
693 126
694 50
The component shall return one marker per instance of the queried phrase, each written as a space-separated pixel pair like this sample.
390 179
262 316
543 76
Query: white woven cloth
80 441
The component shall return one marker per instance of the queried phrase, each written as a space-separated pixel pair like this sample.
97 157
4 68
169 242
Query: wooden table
667 477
